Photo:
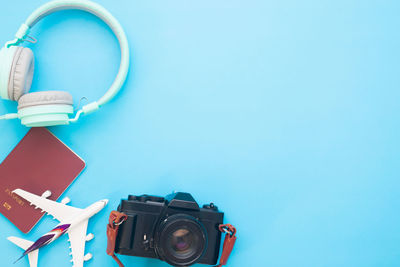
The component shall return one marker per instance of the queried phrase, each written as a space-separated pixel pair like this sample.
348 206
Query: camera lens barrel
181 240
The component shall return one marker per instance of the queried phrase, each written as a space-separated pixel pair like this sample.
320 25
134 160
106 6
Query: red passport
38 163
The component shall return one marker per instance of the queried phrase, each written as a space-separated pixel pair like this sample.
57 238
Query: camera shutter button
211 206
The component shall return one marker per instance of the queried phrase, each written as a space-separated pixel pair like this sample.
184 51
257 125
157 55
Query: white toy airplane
73 221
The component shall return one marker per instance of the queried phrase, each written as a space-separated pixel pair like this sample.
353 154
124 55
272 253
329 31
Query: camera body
173 229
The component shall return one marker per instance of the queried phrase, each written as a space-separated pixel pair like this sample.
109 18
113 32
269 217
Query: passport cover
38 163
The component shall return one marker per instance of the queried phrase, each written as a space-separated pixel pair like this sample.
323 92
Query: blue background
283 113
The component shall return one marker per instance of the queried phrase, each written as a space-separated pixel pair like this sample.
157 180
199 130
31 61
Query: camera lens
181 240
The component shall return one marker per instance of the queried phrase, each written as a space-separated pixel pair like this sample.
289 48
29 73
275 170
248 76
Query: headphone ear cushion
21 73
45 98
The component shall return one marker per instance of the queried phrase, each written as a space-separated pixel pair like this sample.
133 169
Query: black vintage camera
174 229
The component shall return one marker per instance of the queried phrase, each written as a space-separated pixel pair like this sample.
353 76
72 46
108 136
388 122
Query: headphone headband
105 16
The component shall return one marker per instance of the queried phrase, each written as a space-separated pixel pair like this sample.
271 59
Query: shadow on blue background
283 113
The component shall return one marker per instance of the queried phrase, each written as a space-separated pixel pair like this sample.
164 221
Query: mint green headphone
50 108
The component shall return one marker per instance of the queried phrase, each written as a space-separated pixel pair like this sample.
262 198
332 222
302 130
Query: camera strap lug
115 220
229 243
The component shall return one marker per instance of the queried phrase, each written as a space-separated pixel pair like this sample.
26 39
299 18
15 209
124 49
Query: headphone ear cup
45 98
21 73
42 109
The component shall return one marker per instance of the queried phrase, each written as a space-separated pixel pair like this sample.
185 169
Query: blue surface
283 113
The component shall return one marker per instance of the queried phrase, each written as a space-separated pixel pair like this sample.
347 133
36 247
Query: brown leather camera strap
115 220
229 243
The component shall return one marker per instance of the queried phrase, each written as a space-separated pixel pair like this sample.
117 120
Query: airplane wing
77 238
59 211
25 244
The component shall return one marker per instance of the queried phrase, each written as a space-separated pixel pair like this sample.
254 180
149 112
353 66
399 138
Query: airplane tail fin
25 244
